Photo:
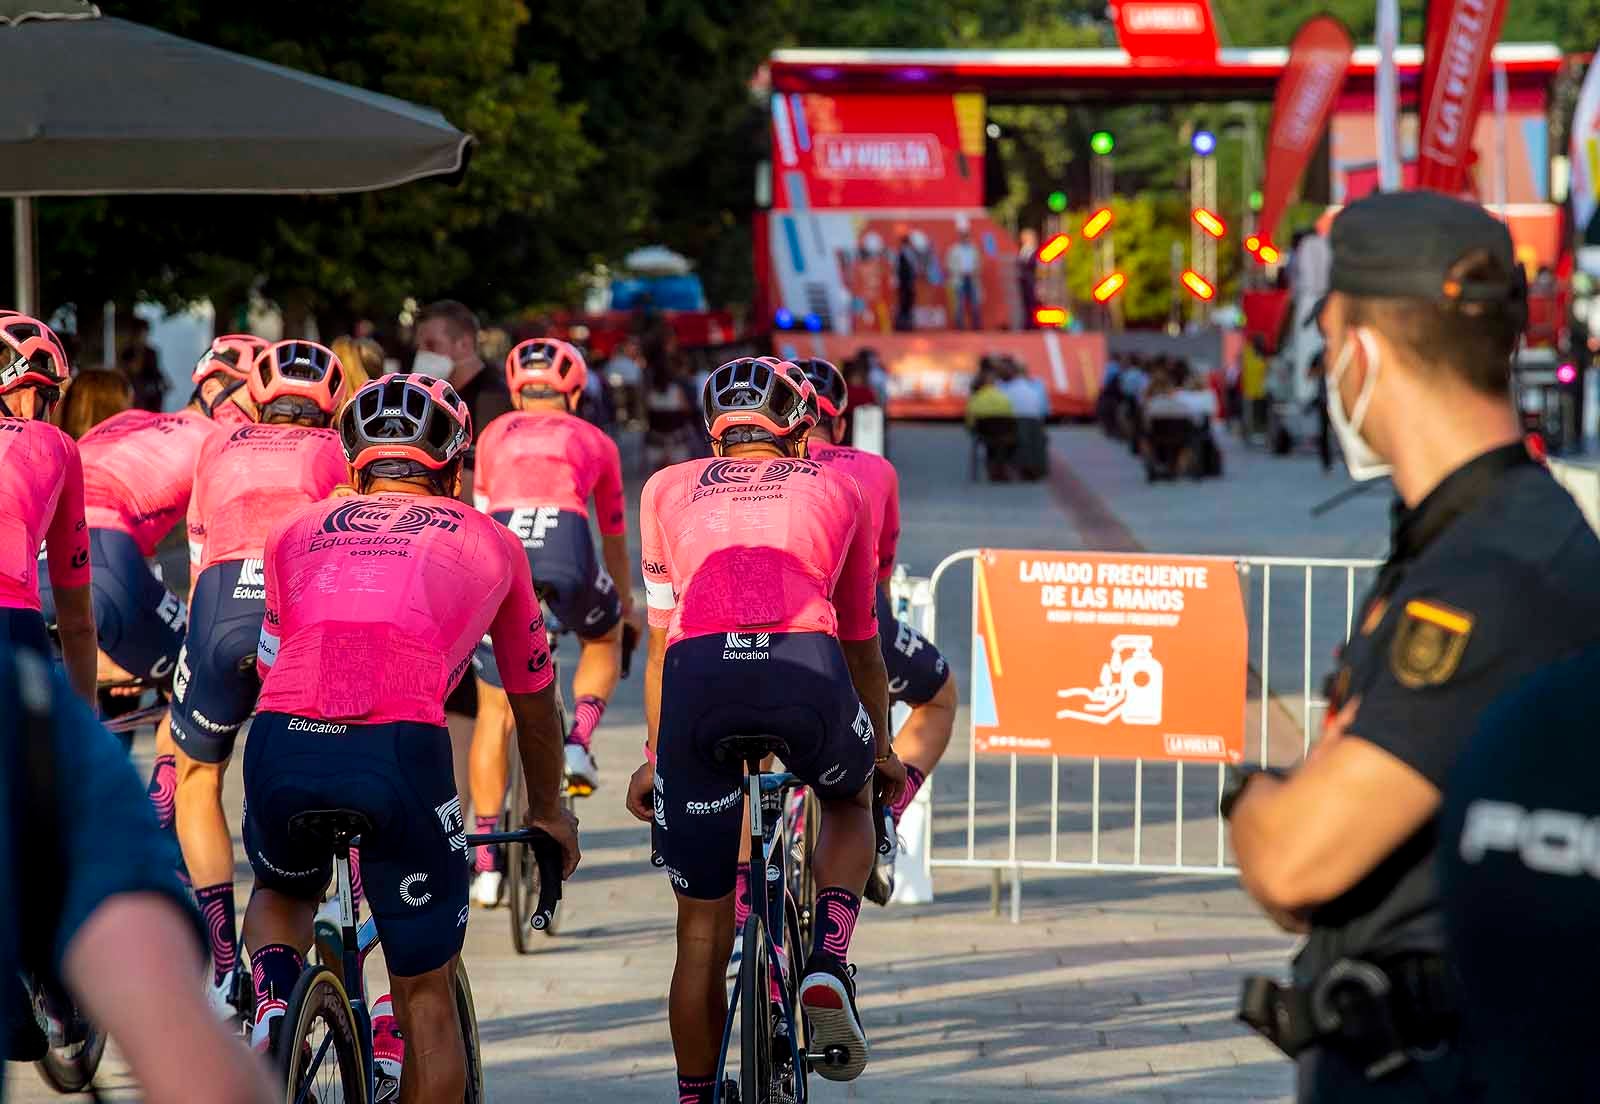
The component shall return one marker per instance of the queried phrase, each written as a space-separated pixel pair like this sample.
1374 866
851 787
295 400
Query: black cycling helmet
403 425
833 395
758 399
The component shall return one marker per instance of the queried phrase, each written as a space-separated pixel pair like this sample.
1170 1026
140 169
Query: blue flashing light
813 322
1204 143
783 318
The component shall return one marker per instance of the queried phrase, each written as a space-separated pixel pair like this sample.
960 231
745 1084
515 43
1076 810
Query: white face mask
432 364
1362 460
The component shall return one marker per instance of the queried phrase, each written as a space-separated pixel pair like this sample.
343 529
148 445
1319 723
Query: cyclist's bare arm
135 968
539 742
79 649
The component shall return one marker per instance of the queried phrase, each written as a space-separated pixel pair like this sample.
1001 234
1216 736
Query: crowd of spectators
1006 413
1166 412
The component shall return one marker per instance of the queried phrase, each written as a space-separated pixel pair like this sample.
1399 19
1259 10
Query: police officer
1519 873
1492 574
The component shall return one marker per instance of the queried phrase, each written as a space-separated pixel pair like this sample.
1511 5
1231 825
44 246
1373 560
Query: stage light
1050 316
1209 222
1204 143
1256 200
1252 245
1268 254
783 318
1096 223
1053 248
1567 373
1057 202
813 322
1108 287
1101 142
1198 285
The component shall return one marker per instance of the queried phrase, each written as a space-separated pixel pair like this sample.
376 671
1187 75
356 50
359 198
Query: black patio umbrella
100 106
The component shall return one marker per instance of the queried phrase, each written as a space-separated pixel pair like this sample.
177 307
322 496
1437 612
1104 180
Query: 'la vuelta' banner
1318 60
1455 62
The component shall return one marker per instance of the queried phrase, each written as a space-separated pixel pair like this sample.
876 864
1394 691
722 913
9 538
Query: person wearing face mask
1492 575
447 349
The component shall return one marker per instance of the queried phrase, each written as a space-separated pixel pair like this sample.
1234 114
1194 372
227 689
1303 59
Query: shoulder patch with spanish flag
1429 642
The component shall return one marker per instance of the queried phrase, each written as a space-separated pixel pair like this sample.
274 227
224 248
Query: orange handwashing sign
1127 657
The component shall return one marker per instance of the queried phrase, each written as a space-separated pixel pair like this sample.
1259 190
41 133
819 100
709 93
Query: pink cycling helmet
297 370
752 399
230 355
30 354
405 417
547 364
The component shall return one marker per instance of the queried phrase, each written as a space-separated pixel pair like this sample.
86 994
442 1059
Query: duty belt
1375 1015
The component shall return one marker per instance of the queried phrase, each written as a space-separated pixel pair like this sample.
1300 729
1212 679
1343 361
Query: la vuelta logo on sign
1162 31
1164 18
879 156
1135 657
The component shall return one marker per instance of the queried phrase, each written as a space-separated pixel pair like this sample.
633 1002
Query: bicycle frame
764 794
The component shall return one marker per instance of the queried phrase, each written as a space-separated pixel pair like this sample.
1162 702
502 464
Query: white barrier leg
913 877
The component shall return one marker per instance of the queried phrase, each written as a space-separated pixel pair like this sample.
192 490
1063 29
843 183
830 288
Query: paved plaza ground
1113 986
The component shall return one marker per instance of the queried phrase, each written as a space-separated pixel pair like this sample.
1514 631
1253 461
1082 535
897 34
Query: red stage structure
879 153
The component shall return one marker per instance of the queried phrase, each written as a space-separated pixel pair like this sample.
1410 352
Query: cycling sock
163 791
586 716
274 969
741 898
696 1090
355 878
914 780
837 910
483 861
216 905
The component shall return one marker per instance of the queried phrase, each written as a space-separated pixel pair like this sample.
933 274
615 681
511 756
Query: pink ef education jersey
41 496
880 483
758 544
248 480
376 602
138 470
547 458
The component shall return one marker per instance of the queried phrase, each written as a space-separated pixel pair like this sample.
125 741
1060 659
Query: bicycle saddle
742 749
329 825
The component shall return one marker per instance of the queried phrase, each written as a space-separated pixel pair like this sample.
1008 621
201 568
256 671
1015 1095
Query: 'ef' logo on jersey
531 525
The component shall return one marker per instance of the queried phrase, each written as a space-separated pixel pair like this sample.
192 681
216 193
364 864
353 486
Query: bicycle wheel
522 870
70 1068
755 1025
318 1048
467 1013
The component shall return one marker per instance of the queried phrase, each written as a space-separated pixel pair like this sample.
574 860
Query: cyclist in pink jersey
405 579
41 501
919 677
138 470
246 481
759 570
537 469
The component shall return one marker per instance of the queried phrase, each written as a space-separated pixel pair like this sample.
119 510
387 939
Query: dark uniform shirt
1492 576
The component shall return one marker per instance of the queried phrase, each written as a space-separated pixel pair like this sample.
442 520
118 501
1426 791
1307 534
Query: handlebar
547 853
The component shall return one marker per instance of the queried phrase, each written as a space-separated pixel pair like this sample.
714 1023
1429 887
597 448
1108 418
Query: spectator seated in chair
992 423
1168 433
1030 406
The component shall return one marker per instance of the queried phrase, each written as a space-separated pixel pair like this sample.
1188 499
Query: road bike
64 1046
324 1043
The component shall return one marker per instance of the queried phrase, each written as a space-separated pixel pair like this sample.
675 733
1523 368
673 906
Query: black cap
1404 244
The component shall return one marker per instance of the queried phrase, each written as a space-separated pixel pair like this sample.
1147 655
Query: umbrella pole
25 258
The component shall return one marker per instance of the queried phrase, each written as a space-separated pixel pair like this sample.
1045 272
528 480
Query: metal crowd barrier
1117 819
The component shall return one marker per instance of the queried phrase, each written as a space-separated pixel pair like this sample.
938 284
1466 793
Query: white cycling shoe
486 886
221 995
582 774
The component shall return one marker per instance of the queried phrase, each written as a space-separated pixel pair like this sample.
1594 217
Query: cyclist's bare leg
697 1005
435 1065
847 844
922 740
202 827
487 768
273 917
599 666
